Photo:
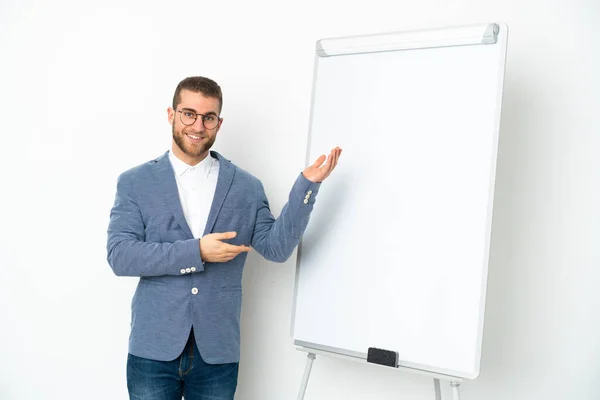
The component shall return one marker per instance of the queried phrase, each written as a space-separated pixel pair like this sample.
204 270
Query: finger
237 250
241 249
334 157
224 235
327 167
231 255
338 154
333 162
233 249
337 157
319 161
231 252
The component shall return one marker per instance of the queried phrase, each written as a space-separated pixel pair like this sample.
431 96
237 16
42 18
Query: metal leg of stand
309 362
455 393
437 389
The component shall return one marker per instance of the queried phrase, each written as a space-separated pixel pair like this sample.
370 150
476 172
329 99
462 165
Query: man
184 224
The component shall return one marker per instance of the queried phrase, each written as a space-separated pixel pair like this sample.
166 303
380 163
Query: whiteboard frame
330 352
502 39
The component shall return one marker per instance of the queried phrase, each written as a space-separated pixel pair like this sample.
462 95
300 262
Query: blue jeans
188 376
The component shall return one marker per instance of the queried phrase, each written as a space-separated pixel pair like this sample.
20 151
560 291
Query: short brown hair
199 84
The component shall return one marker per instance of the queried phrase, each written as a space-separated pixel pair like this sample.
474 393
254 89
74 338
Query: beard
192 149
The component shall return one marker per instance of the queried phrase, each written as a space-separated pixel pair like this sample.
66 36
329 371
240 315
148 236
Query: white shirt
196 186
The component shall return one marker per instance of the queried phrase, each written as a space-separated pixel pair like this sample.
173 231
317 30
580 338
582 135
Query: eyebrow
191 109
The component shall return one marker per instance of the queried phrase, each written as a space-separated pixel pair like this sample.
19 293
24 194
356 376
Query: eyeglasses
188 117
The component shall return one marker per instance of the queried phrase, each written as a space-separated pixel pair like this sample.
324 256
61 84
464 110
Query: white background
84 88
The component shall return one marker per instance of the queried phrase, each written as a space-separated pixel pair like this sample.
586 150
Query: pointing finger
230 248
225 235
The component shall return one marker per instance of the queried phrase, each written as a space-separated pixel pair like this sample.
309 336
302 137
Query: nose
198 125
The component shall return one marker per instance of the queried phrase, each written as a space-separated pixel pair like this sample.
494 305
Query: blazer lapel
226 174
163 170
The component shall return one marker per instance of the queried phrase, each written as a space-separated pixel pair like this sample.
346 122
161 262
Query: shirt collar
180 167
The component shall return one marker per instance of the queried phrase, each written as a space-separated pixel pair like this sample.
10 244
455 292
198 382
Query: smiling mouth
194 138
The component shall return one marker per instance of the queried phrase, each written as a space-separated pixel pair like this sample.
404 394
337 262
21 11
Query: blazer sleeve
129 254
276 239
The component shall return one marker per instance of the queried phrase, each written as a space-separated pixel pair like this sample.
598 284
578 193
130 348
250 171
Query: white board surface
396 253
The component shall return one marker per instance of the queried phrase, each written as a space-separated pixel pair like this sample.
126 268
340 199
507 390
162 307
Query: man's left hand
318 171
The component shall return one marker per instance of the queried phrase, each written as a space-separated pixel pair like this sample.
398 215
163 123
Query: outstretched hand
318 171
212 249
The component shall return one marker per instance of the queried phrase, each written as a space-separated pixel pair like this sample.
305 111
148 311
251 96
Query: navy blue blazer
148 237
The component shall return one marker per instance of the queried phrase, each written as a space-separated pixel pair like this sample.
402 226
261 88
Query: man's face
192 142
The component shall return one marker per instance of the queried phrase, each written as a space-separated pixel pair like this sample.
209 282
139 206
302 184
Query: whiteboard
396 252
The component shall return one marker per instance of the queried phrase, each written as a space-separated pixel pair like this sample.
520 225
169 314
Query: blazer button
305 201
182 270
193 269
188 270
194 290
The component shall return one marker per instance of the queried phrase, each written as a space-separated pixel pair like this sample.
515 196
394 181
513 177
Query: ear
220 123
171 115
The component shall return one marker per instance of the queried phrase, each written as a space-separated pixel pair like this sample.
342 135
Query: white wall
83 95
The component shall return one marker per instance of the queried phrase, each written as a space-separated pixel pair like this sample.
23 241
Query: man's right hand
212 249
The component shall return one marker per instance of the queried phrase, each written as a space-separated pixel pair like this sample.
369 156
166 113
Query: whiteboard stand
455 394
312 354
437 389
309 361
